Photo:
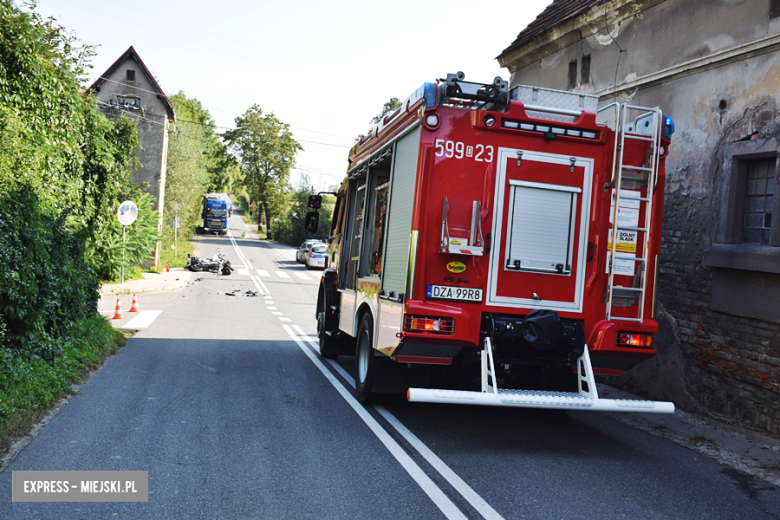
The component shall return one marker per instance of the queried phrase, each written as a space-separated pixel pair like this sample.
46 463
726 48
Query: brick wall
731 363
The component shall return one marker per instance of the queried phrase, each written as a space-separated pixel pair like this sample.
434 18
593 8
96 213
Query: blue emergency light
668 127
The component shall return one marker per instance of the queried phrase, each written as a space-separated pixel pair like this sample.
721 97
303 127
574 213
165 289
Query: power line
319 172
275 51
181 38
226 127
201 124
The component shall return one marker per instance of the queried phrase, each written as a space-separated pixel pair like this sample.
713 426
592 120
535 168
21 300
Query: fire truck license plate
445 292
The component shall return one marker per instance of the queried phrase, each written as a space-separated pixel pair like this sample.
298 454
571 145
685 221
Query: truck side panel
396 262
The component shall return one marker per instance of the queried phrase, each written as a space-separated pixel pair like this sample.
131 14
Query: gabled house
128 88
715 67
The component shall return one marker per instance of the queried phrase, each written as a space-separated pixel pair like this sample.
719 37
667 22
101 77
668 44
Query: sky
324 67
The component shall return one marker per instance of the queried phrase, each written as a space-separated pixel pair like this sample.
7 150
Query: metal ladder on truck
645 127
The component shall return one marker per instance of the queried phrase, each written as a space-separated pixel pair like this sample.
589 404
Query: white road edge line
450 476
430 488
454 480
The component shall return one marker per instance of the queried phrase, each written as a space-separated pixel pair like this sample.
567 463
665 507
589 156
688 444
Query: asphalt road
224 401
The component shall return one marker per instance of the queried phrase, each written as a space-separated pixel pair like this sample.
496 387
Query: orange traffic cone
134 306
118 311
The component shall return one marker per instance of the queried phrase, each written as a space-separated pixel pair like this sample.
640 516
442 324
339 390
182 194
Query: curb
176 279
747 451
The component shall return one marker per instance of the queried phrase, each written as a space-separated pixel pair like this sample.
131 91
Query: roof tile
555 14
132 53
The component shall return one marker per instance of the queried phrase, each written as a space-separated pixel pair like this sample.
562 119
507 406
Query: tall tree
391 106
289 229
194 152
62 167
266 150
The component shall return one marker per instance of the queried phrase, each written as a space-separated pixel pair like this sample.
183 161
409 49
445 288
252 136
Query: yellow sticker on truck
626 241
456 267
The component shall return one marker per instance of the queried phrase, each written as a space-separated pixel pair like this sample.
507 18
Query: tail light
428 324
311 255
633 339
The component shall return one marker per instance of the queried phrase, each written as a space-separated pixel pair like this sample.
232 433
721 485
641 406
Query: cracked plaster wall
708 360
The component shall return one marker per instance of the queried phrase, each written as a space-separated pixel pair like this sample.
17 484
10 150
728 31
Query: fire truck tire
368 368
329 348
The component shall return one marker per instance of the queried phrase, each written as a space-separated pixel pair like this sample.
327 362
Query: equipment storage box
557 100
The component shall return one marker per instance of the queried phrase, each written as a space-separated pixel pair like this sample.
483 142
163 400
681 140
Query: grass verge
131 273
184 246
31 386
251 219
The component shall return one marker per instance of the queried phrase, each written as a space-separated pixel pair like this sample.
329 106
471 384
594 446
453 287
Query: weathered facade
128 88
715 67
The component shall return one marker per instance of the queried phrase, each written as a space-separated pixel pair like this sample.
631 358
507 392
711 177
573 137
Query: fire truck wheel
328 345
367 369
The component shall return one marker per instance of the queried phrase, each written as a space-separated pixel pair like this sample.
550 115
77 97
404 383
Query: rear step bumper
537 399
586 399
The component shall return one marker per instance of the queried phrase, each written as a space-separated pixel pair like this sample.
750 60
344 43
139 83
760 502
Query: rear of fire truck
533 248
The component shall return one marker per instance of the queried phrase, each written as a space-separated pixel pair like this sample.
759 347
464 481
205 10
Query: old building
128 88
715 67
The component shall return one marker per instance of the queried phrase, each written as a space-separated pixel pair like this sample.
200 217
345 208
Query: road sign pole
126 214
123 255
175 231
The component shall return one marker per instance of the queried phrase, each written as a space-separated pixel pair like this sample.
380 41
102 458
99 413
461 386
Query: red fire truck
497 246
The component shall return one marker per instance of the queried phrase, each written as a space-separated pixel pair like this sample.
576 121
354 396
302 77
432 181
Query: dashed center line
259 286
302 276
282 274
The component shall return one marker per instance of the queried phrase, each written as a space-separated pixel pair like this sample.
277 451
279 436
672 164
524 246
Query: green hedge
31 382
46 284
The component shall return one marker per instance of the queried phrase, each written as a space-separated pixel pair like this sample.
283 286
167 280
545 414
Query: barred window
759 201
573 74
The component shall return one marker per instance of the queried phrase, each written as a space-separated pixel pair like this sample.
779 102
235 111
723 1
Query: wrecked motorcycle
213 264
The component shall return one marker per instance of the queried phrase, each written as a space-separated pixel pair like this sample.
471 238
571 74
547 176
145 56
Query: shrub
45 282
29 382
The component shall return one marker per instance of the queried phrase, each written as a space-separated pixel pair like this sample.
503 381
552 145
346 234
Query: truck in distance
215 214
